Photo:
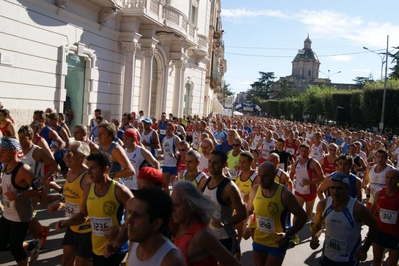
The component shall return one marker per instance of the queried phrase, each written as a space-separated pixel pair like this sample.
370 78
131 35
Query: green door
74 84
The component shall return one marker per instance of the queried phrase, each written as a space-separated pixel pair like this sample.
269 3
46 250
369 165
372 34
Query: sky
265 36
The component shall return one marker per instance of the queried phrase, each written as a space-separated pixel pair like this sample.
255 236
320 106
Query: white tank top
169 149
18 210
155 260
221 212
317 152
342 237
36 168
257 138
267 147
147 138
301 173
136 159
377 180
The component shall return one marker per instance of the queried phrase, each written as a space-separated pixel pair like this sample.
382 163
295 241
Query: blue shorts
387 240
169 169
274 251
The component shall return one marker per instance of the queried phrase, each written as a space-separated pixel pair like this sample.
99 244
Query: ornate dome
306 53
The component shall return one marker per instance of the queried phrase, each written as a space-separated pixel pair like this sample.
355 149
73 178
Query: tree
395 68
361 81
227 90
260 89
285 90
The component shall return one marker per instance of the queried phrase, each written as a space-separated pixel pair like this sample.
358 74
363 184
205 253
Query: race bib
266 225
9 205
300 187
131 182
388 216
233 174
71 209
100 224
291 150
336 245
162 131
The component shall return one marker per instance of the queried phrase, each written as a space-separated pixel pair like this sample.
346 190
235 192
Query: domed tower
305 67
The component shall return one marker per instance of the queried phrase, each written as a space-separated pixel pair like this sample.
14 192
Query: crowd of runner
185 191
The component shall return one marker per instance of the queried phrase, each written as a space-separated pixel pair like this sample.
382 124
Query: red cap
150 174
131 133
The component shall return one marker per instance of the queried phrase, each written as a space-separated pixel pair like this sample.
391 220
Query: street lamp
381 125
330 75
379 54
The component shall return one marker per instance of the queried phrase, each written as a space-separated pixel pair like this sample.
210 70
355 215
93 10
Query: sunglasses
236 145
182 149
69 153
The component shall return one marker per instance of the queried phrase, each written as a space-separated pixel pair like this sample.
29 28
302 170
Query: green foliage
227 91
260 88
395 68
362 107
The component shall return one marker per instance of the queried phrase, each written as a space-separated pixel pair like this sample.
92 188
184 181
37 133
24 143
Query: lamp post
329 74
381 56
381 125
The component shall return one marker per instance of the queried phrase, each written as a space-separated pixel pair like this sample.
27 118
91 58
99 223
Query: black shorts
231 244
61 163
387 240
82 242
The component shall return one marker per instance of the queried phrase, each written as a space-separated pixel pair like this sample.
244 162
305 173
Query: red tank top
4 129
291 147
328 168
183 244
387 213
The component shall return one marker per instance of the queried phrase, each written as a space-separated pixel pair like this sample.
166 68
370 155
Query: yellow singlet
270 216
105 212
73 194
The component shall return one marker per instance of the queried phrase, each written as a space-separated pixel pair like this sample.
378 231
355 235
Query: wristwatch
112 175
225 222
289 237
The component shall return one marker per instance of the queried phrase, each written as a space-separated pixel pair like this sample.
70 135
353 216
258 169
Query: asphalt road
51 254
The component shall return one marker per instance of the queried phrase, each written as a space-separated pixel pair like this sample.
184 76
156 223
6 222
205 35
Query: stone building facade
116 55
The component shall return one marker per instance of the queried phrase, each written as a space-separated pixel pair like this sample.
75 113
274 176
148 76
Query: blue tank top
44 134
115 165
162 128
59 154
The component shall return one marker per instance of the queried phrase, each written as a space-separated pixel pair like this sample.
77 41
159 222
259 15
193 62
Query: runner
104 204
192 213
343 217
76 244
271 237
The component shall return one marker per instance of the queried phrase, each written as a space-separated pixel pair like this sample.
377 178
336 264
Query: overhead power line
290 56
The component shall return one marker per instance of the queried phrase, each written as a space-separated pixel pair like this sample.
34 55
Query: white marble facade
116 55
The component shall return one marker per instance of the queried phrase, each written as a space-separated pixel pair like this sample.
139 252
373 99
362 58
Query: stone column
146 77
178 83
128 79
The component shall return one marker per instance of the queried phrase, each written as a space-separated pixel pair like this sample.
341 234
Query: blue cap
10 144
340 177
147 120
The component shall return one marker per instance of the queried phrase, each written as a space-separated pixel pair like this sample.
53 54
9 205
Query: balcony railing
167 16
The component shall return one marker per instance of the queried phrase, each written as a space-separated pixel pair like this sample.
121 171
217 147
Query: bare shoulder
173 258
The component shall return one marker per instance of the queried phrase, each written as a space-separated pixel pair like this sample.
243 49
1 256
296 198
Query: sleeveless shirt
342 237
155 260
73 193
270 216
